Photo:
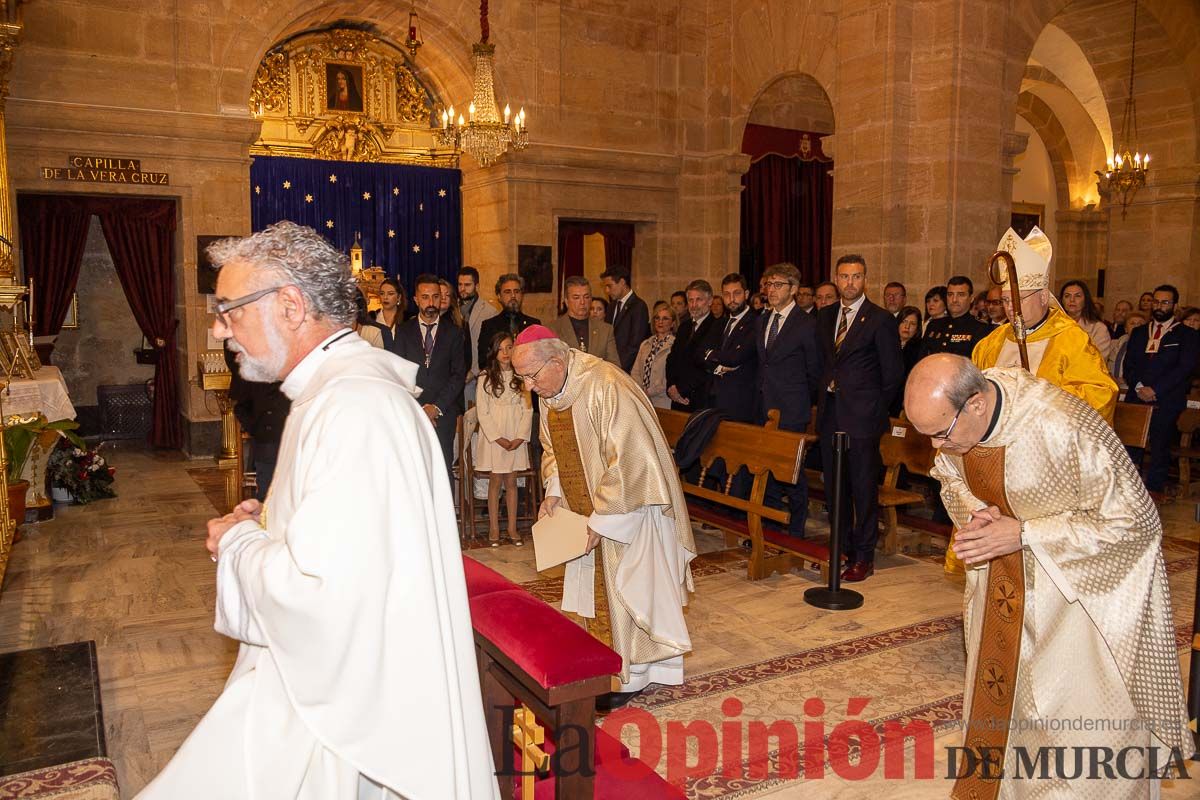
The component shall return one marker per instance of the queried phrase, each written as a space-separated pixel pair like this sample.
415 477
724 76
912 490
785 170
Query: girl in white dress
505 421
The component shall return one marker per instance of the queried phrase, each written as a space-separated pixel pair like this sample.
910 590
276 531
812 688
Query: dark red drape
53 236
140 236
787 203
618 246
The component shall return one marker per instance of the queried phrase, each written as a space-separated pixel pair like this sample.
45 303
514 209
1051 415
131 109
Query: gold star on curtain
258 190
287 184
441 192
333 178
308 198
437 234
396 190
421 207
391 234
416 248
366 195
329 224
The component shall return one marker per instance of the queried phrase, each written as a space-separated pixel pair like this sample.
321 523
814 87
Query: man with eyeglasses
345 589
605 457
1068 614
1159 360
1059 350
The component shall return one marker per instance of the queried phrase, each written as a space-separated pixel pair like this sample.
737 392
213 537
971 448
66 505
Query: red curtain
787 203
53 236
140 236
618 246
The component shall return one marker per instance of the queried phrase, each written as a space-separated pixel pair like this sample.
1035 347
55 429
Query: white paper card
558 538
899 432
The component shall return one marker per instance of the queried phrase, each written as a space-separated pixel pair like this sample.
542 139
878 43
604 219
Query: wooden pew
901 446
1188 449
763 451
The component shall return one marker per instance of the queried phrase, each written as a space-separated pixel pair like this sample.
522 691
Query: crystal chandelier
483 134
1126 170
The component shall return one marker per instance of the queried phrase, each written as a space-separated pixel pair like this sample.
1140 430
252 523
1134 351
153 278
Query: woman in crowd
935 304
393 304
599 308
1076 299
1116 361
718 307
909 320
505 424
1191 318
650 366
367 328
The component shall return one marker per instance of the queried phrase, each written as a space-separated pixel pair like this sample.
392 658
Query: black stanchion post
1194 671
833 597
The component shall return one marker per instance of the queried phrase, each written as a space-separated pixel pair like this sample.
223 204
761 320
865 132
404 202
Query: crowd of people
783 344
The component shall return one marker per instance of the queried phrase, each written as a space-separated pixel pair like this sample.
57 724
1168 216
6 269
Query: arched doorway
787 194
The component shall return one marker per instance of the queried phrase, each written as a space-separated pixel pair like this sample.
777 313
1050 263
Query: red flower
112 472
81 476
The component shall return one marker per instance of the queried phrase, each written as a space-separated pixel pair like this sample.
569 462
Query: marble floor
131 573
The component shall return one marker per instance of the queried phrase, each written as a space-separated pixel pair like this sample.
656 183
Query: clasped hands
509 444
217 528
547 507
673 393
988 535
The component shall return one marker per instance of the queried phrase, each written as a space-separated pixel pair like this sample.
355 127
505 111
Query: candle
471 111
507 112
461 121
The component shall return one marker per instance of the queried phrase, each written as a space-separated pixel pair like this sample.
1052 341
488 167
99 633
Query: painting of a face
343 87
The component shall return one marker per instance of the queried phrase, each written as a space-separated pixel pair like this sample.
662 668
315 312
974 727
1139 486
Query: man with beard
510 290
475 311
1159 359
435 344
734 363
350 625
895 297
688 379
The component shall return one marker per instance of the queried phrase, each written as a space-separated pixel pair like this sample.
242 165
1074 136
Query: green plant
19 439
82 472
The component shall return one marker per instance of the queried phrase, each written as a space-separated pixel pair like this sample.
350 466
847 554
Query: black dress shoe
858 571
614 700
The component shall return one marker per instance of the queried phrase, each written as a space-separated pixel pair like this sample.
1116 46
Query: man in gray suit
579 329
474 310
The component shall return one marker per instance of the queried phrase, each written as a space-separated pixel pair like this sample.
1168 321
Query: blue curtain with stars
410 218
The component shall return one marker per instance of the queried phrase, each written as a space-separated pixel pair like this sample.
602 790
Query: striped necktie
841 331
774 329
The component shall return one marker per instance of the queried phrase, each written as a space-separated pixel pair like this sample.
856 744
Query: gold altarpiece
386 111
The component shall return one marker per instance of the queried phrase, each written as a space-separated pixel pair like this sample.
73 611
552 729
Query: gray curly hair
299 256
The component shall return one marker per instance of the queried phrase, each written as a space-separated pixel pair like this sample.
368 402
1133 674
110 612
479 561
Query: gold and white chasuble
1097 644
356 676
639 510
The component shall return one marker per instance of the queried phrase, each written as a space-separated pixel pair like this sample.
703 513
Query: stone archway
1041 117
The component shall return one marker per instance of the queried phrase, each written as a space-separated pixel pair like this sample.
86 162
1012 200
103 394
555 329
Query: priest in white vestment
604 456
1069 634
356 675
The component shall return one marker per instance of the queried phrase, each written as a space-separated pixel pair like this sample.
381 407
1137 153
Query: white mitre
1032 256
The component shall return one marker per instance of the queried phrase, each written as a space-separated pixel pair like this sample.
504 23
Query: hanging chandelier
483 135
1125 171
414 41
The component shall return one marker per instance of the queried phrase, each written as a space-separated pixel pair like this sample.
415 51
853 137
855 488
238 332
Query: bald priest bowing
355 675
1069 635
605 458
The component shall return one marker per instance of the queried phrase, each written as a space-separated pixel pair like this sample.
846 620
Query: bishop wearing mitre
605 457
356 675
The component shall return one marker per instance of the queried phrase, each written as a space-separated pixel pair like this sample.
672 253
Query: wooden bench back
904 445
1132 423
1189 421
762 450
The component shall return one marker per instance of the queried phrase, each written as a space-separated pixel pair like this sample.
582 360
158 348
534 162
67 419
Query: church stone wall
637 109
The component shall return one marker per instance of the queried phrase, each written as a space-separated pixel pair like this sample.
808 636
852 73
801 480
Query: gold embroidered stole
573 481
1000 640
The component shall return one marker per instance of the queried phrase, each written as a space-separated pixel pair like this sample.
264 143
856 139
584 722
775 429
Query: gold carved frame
289 95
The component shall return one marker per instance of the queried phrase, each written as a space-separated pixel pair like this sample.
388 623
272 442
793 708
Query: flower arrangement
82 472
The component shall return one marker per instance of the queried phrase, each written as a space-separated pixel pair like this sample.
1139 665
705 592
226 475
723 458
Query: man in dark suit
688 378
436 345
734 364
627 313
1159 360
510 291
862 371
959 331
789 367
